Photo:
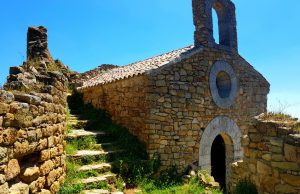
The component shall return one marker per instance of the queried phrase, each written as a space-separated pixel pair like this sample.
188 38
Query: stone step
78 133
88 153
105 145
101 167
74 116
77 119
79 124
109 178
100 191
96 191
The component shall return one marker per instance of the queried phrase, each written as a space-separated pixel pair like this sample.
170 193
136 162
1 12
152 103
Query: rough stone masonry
32 123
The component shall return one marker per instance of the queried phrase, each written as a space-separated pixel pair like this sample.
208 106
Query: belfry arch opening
221 23
215 26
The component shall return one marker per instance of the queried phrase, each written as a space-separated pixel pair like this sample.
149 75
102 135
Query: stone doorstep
82 133
102 167
83 153
109 178
100 191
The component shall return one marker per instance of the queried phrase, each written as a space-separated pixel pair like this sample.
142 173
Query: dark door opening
218 161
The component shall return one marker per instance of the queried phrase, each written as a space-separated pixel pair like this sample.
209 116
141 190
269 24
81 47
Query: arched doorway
218 161
225 128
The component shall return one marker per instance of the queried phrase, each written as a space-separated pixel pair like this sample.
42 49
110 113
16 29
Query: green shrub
245 186
71 188
169 177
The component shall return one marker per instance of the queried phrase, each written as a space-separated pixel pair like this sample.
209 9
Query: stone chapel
192 105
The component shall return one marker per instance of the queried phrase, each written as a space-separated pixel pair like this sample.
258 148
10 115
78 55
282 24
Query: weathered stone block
267 157
277 157
45 191
51 140
12 170
46 167
4 188
8 120
19 108
40 183
43 144
276 142
160 83
268 183
44 155
30 174
55 187
9 136
286 165
4 108
30 99
275 149
291 179
284 188
263 168
290 152
22 149
19 188
52 177
3 155
2 179
6 97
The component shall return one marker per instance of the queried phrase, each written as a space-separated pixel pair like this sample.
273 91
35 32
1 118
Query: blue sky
85 34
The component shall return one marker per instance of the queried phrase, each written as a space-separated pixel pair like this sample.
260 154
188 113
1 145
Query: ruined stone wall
32 124
182 105
271 159
125 101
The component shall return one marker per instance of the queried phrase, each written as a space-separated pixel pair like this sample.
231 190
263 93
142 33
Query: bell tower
202 14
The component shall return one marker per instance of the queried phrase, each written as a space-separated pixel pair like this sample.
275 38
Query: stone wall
32 127
125 101
271 159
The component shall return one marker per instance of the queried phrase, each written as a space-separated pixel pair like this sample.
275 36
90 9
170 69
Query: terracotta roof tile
136 68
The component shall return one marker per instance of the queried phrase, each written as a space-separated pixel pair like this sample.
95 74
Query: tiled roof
137 68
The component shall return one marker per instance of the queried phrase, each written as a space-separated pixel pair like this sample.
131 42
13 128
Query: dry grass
296 127
284 120
278 117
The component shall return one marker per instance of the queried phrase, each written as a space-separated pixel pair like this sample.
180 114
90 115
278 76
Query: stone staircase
97 160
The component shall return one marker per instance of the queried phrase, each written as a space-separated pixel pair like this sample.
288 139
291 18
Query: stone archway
226 128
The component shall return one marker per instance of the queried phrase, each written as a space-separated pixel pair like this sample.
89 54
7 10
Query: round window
223 84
